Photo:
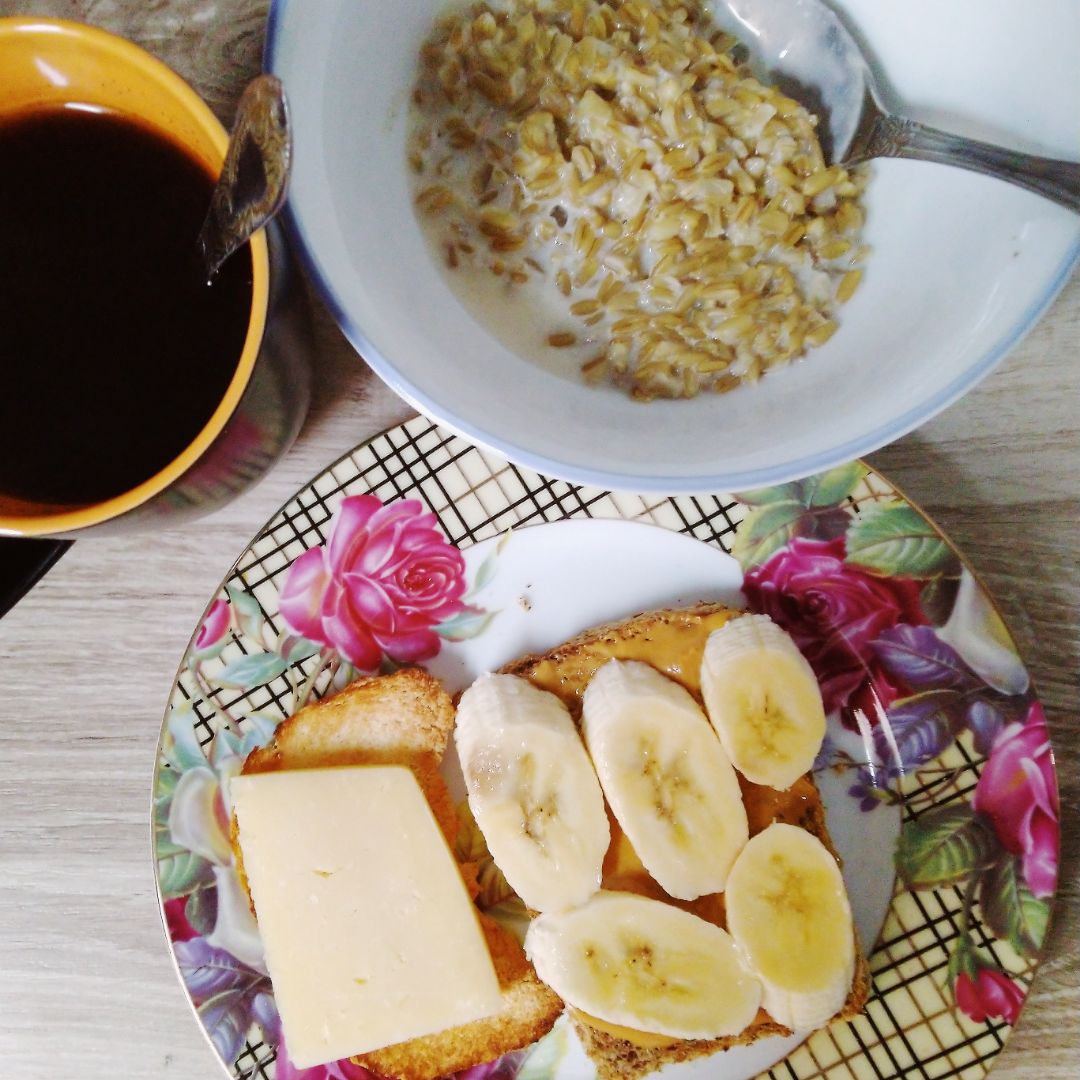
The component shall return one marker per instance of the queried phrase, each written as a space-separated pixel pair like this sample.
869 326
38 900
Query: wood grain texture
87 988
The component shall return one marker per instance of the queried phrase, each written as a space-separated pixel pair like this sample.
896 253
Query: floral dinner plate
417 548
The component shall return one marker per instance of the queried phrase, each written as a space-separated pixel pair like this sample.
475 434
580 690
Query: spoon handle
895 136
254 176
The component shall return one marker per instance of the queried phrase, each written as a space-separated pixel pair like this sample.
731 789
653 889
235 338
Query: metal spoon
255 175
803 47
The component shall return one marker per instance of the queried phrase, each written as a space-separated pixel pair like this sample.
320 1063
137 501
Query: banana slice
763 700
645 965
532 791
788 911
666 777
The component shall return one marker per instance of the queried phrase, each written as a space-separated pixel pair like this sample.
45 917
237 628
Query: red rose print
834 611
989 994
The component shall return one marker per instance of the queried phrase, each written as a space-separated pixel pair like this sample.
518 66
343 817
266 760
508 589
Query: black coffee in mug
114 351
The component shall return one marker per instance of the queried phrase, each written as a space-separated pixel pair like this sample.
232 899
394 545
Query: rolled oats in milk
616 195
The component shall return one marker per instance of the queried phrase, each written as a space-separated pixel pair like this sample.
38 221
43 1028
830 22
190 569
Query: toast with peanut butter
406 719
673 642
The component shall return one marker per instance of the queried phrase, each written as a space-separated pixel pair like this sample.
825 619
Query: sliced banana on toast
763 699
788 911
644 965
532 791
667 779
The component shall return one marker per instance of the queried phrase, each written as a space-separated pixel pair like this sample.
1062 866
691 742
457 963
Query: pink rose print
215 626
385 577
989 994
1017 791
834 611
176 920
504 1068
334 1070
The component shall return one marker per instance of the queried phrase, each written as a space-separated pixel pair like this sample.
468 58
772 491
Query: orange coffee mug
51 65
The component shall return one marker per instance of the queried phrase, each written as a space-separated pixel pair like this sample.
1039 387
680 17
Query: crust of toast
673 641
406 719
618 1059
529 1011
565 669
399 718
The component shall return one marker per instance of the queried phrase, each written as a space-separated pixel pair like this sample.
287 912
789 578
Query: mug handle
23 563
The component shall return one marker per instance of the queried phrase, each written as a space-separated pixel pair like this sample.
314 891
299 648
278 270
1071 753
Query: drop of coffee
114 351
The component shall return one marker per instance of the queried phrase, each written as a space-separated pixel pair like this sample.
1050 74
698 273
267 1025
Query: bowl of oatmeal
586 236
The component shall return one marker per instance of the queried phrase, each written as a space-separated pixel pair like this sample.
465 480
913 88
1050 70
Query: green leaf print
1010 910
765 530
248 614
895 540
766 496
182 750
201 909
832 487
183 872
246 672
465 624
944 846
295 648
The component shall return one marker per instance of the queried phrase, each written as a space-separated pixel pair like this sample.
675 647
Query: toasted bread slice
406 719
673 642
400 719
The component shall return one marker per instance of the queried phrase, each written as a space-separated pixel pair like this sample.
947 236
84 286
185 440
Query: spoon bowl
803 47
255 175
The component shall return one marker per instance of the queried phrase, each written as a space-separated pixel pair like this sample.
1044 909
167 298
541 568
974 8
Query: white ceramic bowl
962 266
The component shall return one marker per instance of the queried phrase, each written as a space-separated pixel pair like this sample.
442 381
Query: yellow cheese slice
370 936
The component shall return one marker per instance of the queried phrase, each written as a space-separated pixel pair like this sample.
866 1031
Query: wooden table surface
87 988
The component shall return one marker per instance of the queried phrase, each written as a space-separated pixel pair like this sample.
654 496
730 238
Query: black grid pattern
909 1028
256 1062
